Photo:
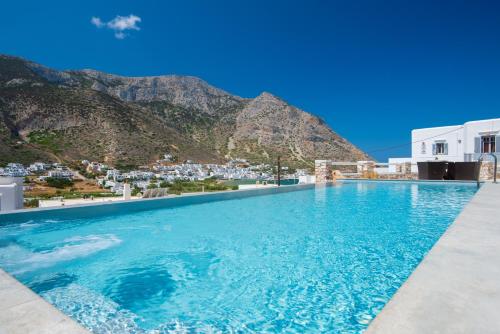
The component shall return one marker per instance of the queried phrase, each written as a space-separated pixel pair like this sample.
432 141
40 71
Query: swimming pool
322 259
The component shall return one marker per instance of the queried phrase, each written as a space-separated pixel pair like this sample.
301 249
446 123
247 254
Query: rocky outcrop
132 120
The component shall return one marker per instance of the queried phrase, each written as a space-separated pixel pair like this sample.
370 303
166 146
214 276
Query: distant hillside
47 114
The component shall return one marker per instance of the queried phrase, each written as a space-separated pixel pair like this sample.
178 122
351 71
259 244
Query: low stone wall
324 170
398 176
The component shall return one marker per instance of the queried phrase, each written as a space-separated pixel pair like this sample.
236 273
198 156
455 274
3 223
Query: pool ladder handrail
480 161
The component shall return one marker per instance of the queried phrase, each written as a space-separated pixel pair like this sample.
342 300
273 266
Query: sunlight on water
320 260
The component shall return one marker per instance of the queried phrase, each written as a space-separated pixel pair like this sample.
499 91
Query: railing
480 161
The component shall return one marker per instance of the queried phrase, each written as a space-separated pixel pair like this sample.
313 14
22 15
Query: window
488 144
440 148
422 148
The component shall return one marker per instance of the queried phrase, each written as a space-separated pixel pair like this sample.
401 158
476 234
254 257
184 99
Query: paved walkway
456 288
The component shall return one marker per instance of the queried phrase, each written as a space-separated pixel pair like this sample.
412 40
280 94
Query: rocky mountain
47 114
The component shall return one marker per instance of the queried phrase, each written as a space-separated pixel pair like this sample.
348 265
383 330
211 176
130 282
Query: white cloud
120 24
120 35
97 22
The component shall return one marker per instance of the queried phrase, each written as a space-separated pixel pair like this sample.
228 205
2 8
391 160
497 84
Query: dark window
440 148
488 144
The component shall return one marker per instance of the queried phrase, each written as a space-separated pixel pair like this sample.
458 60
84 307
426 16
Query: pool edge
456 287
209 196
60 323
22 311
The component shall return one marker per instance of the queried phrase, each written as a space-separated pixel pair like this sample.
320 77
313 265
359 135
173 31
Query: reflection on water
320 260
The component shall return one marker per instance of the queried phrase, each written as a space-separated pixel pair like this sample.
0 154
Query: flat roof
457 126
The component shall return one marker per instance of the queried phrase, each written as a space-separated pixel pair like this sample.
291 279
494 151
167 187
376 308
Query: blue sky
372 69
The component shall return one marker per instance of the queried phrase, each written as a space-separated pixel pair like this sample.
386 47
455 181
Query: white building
15 170
465 142
60 174
38 167
11 193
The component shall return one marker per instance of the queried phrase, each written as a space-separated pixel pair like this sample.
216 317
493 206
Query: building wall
452 136
476 129
461 141
11 193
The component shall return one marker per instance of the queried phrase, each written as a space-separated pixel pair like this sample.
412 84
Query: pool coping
249 192
456 287
240 192
24 311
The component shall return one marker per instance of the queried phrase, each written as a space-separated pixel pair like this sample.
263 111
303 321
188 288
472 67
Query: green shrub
31 203
59 183
135 191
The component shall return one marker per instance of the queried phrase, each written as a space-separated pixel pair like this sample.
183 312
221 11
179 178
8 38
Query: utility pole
279 170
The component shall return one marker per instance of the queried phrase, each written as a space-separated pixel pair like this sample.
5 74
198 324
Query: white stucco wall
453 136
11 193
478 128
460 140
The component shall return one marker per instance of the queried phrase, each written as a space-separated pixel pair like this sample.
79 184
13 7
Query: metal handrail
480 161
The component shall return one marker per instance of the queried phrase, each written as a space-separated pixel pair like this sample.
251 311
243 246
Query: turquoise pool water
325 259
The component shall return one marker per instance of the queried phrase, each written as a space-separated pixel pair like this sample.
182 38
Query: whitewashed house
60 173
455 143
15 170
37 167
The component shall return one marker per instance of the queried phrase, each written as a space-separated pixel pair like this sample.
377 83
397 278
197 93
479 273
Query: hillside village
46 180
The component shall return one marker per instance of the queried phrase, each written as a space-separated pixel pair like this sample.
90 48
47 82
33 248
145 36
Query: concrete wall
11 193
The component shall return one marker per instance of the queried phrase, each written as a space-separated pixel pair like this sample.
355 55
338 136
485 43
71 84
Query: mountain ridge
89 114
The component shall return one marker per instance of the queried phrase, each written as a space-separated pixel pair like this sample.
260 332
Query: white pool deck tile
24 312
456 288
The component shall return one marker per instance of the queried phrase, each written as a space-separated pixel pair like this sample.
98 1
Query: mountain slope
69 115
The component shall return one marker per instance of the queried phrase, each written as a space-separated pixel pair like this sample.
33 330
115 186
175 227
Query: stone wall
323 170
486 172
398 176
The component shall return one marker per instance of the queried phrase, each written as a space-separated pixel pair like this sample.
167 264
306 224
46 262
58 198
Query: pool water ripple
323 260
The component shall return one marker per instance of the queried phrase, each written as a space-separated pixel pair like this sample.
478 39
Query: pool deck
456 288
24 312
